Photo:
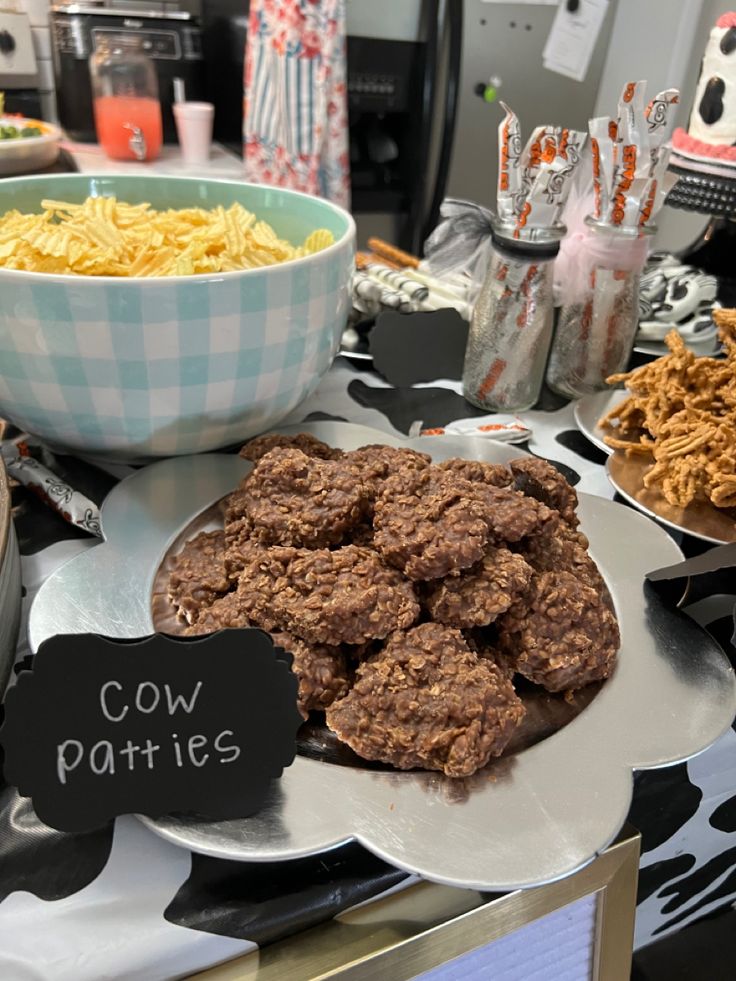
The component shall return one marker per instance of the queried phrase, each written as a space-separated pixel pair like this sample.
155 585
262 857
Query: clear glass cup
597 325
126 99
510 331
595 337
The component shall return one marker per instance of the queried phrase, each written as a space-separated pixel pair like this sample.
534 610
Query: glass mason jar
595 332
511 328
125 98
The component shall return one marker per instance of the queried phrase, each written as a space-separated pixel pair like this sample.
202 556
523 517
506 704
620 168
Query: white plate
23 155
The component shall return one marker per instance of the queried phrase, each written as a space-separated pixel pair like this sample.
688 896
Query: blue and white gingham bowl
136 368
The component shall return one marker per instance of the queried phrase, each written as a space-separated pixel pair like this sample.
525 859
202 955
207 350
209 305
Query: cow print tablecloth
122 903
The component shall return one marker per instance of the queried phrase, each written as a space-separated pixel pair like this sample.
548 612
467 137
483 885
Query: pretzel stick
363 259
391 254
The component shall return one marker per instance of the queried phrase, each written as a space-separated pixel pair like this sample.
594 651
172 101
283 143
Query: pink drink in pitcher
129 127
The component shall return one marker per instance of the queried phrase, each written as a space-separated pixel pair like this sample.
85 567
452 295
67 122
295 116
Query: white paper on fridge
573 38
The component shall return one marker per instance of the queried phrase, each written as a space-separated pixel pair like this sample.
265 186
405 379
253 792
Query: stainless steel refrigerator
471 46
476 53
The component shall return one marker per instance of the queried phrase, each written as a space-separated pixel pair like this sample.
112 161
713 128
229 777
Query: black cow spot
47 863
699 880
663 801
725 892
265 902
654 876
728 41
435 407
711 105
324 417
724 816
695 884
573 439
679 291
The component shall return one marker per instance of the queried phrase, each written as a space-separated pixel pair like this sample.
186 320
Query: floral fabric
295 123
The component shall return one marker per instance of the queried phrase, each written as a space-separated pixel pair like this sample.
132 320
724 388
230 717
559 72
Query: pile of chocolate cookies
410 594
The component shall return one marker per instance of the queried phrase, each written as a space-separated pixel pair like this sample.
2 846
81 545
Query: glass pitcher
125 97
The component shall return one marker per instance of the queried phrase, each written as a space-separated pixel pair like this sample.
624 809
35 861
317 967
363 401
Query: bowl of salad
26 145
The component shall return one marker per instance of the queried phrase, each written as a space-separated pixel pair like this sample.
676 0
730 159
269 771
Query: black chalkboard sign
102 727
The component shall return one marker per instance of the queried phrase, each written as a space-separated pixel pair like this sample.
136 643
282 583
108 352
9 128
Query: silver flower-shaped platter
526 819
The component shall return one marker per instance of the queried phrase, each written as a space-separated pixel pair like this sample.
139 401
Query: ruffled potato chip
106 237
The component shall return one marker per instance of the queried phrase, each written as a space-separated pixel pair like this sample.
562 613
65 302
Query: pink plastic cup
194 128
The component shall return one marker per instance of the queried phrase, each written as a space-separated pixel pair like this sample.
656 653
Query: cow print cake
704 155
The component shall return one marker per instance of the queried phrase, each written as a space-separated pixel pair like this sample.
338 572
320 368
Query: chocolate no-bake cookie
344 596
225 613
561 548
375 463
511 515
198 574
477 596
263 579
477 471
427 701
259 446
561 634
294 499
430 524
238 529
322 672
332 553
341 596
539 479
